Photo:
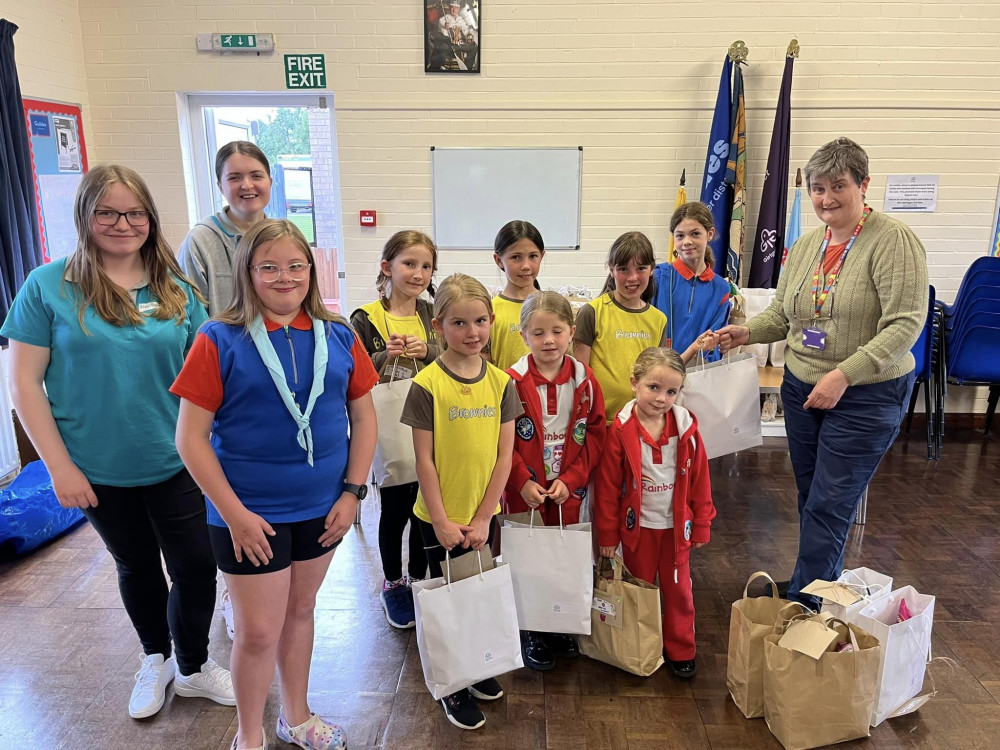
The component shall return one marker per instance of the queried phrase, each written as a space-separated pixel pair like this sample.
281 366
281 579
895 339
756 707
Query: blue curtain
20 243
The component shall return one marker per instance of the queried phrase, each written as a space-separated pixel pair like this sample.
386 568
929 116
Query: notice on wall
912 193
58 163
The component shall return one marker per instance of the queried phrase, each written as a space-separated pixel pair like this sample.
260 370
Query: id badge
814 338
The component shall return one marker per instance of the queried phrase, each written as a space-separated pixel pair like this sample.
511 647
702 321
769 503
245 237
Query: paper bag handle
761 574
871 589
850 633
447 562
531 523
607 562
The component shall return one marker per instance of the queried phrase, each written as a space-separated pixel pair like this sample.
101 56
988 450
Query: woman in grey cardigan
851 303
206 255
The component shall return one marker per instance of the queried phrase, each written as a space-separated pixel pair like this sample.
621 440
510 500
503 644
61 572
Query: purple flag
765 264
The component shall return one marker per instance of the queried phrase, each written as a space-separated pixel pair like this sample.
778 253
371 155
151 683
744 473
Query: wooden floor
68 652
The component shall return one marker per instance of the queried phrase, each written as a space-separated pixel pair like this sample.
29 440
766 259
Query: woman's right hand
450 534
73 488
250 532
533 494
732 336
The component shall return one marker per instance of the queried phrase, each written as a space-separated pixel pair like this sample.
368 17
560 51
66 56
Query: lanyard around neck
818 297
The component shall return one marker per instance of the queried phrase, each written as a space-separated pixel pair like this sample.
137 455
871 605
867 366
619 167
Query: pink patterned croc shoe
316 733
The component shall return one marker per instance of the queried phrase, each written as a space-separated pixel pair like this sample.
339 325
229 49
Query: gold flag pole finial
793 49
683 177
738 52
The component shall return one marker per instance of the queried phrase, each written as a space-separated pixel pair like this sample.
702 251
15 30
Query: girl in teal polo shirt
96 339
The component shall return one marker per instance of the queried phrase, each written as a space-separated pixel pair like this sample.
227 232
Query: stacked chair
969 338
927 356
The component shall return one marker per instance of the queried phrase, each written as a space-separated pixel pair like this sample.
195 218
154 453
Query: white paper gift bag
906 649
552 574
756 301
466 630
725 397
394 462
852 591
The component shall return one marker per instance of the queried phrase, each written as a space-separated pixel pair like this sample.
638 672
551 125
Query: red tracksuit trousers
655 555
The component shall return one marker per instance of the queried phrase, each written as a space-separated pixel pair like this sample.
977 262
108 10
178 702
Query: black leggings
397 509
436 553
136 525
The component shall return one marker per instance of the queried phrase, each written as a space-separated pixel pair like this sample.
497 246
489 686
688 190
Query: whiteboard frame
579 196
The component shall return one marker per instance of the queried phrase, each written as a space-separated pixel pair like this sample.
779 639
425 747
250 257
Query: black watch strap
361 490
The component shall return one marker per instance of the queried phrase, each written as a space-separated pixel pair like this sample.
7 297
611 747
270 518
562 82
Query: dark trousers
136 525
436 553
397 509
835 453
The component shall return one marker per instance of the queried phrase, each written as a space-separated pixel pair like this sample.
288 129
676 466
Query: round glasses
269 272
108 218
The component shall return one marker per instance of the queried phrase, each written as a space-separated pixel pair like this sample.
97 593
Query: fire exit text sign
305 71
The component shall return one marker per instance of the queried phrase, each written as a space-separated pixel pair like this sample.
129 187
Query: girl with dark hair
612 330
518 251
244 178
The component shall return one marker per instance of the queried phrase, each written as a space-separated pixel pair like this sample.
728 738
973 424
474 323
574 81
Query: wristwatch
361 490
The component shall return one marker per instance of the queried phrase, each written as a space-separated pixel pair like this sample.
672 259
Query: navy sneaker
561 645
684 669
486 690
397 601
462 711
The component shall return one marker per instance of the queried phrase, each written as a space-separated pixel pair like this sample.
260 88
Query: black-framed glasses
270 272
108 218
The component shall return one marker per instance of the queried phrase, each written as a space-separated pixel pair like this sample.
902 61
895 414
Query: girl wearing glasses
269 395
96 340
244 178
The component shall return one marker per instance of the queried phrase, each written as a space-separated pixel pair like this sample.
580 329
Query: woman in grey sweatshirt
206 255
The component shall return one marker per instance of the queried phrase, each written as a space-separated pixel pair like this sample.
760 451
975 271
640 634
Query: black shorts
292 542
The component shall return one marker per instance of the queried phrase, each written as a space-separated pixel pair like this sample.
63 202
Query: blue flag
794 230
736 177
715 193
765 263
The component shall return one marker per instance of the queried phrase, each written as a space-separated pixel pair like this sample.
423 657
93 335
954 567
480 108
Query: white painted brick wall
916 83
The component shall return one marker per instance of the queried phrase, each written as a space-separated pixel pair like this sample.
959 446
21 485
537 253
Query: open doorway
298 135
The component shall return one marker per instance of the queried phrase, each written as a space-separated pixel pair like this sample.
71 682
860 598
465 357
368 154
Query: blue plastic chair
983 265
923 353
974 358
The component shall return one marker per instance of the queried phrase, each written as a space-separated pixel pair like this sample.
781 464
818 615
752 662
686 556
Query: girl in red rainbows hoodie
558 440
653 495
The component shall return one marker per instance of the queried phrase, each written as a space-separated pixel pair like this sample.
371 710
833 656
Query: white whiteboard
478 190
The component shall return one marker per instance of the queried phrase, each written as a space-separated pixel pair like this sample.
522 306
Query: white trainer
212 682
227 614
150 685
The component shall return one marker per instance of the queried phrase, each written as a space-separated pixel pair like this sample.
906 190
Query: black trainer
561 645
782 589
534 651
684 669
486 690
462 711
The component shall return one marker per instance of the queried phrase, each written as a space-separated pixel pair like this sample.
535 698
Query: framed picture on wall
451 36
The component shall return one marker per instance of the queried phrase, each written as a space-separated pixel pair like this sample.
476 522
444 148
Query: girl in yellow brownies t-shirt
612 330
462 412
518 250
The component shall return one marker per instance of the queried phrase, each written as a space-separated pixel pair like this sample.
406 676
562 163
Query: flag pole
682 198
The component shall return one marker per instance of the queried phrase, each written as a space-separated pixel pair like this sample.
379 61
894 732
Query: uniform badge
630 518
580 431
525 428
581 492
687 531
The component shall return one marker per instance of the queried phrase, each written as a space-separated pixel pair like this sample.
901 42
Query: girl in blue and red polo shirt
558 439
688 291
278 428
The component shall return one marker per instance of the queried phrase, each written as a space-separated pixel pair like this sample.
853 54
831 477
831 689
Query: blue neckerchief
266 350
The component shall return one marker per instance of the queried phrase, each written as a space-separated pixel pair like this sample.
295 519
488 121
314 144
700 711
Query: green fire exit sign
305 71
239 41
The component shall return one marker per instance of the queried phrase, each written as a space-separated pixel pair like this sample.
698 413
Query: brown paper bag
626 621
813 702
750 620
466 566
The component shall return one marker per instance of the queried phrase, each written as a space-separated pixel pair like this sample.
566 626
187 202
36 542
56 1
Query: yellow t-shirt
410 325
465 416
506 344
617 336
